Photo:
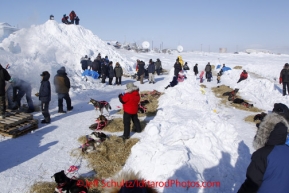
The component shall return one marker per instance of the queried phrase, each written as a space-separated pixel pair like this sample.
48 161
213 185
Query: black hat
286 64
281 109
44 73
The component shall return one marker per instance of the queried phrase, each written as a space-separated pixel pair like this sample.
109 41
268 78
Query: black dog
242 102
260 116
100 105
68 185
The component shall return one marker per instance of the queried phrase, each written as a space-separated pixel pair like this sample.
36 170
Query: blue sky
205 25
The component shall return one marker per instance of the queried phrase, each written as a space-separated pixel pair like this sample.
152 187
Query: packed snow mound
6 30
54 44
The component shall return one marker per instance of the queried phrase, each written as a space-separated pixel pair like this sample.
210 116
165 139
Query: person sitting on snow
173 83
65 19
243 76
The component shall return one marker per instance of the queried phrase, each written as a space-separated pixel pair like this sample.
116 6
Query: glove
120 95
280 80
37 94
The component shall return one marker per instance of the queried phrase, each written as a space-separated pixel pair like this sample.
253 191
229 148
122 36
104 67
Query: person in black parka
141 71
45 96
268 170
110 73
4 76
104 70
196 71
284 78
178 67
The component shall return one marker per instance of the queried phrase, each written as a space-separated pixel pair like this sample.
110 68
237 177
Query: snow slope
192 137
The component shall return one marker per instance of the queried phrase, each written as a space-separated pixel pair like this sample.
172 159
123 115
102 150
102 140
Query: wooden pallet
17 124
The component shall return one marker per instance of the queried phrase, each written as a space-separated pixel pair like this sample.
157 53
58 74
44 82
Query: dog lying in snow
68 185
101 122
242 102
100 105
141 106
93 140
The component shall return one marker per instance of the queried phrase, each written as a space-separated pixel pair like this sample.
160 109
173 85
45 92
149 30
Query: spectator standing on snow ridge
118 73
84 63
208 70
267 171
284 78
72 16
77 20
89 63
177 67
65 19
110 73
104 70
158 66
196 71
151 71
243 76
186 67
141 71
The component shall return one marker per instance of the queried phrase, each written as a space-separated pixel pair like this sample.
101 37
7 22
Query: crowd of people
74 19
103 68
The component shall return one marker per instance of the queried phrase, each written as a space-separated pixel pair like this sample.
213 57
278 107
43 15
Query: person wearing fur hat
284 78
130 100
45 96
62 86
268 170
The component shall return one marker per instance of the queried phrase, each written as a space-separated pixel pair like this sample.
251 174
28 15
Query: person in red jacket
130 100
72 16
243 76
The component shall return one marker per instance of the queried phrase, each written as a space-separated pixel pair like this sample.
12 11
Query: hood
272 131
61 72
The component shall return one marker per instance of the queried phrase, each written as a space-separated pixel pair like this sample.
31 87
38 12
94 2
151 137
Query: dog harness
100 124
142 108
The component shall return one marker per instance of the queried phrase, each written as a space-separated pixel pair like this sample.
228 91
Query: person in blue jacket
268 170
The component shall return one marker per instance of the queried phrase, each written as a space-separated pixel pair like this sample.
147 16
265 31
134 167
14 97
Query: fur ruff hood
266 127
124 177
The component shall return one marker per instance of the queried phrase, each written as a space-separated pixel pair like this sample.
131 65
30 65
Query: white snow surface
192 137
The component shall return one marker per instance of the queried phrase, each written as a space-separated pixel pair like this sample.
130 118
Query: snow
192 137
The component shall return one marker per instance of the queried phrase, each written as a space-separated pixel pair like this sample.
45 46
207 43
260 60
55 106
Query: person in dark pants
284 78
21 88
104 70
4 76
130 101
45 96
243 76
77 20
118 73
110 73
158 65
268 170
177 67
196 70
62 86
208 70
